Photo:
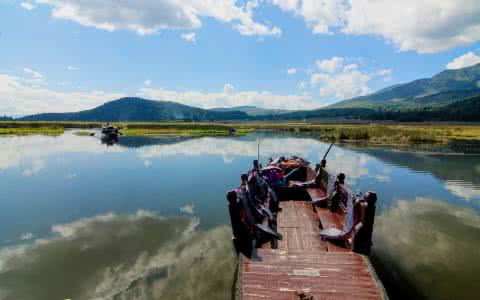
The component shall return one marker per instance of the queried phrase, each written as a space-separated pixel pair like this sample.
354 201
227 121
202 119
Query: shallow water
146 218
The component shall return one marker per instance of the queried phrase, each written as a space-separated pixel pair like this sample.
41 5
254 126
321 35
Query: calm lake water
147 218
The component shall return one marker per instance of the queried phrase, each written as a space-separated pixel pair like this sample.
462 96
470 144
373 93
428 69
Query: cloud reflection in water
137 256
432 245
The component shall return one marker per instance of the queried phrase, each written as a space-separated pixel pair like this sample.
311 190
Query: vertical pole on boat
258 149
328 150
363 240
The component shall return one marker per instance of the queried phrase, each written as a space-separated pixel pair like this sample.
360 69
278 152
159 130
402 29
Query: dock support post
363 240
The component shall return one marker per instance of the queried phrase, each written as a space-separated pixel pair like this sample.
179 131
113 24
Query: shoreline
371 134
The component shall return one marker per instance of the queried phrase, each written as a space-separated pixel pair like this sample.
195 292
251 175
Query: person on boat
332 199
321 168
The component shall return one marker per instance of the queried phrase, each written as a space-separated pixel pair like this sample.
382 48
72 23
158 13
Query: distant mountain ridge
442 89
133 109
452 92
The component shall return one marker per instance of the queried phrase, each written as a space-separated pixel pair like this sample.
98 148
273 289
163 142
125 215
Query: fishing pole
328 150
258 149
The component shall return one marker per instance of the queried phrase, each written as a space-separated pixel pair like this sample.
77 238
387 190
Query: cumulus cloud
27 5
228 88
432 26
147 82
152 16
136 256
28 95
189 37
291 71
463 61
330 65
34 77
339 80
320 16
230 98
72 68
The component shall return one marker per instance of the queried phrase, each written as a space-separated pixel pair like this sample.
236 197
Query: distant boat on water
110 131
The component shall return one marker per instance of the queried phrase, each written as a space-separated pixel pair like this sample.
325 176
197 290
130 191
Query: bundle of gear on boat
254 205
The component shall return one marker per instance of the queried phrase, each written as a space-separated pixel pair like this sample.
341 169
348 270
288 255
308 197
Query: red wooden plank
302 263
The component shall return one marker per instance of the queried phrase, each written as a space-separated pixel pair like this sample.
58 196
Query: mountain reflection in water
146 218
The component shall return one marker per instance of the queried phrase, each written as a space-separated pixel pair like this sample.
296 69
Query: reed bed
370 133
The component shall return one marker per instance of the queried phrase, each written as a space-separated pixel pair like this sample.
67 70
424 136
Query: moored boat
110 131
293 223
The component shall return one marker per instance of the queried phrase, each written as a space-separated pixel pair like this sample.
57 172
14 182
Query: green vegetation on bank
31 130
182 132
376 133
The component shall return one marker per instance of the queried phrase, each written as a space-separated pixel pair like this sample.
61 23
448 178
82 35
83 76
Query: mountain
442 89
253 111
463 110
140 110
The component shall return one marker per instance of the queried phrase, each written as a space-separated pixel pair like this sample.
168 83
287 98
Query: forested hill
467 110
442 89
140 110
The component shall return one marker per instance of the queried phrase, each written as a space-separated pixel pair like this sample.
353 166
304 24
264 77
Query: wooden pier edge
377 280
237 284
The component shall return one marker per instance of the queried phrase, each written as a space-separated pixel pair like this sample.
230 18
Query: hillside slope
139 110
442 89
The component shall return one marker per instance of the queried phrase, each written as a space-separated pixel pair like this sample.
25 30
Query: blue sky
68 55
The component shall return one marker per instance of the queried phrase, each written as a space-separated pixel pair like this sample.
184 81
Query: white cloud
189 37
330 65
23 96
27 5
339 80
228 88
147 82
152 16
302 85
425 26
319 15
386 74
464 61
72 68
230 98
34 76
291 71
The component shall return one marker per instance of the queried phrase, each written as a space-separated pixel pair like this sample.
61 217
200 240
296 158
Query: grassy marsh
31 130
369 133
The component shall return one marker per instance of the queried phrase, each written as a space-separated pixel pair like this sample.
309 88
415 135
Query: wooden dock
303 266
